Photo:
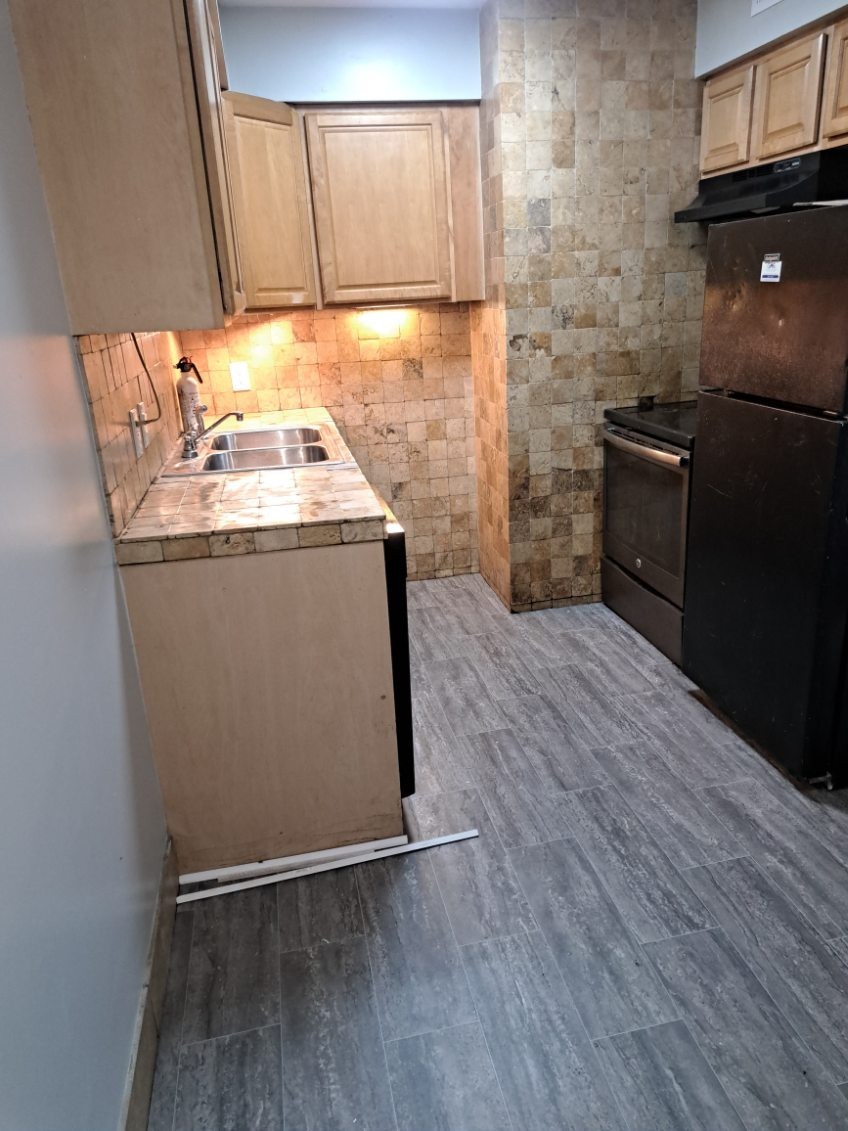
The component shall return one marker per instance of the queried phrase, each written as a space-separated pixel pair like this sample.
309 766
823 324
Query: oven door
646 499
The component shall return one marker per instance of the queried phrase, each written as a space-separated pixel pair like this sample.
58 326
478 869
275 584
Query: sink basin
258 458
268 438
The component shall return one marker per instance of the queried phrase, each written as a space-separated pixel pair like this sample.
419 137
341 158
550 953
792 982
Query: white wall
726 28
81 828
352 54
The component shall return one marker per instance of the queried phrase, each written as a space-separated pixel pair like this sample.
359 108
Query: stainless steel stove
647 458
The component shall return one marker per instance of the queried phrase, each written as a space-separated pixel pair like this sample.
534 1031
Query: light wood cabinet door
787 97
271 194
382 204
208 82
726 128
834 115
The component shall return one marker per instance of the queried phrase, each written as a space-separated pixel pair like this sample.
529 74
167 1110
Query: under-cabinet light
385 322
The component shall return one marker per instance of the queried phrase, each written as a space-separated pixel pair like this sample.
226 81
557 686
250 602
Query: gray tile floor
651 932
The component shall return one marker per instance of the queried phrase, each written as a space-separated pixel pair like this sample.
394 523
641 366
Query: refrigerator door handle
653 455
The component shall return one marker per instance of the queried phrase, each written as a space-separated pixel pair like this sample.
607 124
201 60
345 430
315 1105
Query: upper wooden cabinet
382 204
787 94
726 126
136 188
271 195
834 117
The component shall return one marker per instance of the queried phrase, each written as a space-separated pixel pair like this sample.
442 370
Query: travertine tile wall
115 382
398 384
590 124
488 339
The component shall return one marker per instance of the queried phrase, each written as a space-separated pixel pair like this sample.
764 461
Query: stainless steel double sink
256 450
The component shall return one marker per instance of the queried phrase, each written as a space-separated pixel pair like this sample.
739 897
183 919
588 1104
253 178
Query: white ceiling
420 4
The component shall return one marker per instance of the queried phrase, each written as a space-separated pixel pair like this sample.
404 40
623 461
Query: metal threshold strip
307 864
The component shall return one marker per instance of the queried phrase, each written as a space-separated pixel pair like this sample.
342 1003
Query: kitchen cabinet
272 201
268 687
204 57
124 103
726 124
787 98
382 204
834 118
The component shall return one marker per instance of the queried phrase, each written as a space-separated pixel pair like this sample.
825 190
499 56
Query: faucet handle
189 443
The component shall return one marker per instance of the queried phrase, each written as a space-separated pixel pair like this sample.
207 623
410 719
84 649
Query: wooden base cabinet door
726 130
271 196
382 204
834 117
787 97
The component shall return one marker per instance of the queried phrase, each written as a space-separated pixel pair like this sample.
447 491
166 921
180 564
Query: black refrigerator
766 602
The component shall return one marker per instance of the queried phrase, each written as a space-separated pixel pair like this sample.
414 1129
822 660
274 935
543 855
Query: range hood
780 185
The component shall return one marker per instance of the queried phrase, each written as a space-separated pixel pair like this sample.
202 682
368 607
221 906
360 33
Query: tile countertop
245 512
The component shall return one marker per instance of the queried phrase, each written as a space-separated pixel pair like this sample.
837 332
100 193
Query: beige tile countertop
245 512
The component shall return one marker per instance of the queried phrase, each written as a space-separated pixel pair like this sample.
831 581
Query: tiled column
593 115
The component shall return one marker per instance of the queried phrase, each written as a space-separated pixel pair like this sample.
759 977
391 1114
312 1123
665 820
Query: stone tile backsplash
115 382
397 382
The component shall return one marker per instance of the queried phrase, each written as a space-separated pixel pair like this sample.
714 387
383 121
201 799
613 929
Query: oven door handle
653 455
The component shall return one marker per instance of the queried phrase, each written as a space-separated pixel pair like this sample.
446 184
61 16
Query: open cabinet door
272 201
204 57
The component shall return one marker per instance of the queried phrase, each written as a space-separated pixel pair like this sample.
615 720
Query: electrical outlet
138 446
240 376
142 424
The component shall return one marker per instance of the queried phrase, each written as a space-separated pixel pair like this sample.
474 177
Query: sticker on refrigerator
772 268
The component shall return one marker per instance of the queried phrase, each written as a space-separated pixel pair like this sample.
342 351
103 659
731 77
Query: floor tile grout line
814 1057
589 1040
229 1036
471 996
180 1045
762 864
376 1000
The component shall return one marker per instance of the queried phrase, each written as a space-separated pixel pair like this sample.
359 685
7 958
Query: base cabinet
267 680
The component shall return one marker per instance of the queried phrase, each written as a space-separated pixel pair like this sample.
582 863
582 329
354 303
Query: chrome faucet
192 435
220 420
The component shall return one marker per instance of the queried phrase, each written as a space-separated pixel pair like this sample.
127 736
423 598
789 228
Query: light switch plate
240 376
758 6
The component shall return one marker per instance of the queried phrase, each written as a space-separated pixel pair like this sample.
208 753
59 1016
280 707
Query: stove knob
638 563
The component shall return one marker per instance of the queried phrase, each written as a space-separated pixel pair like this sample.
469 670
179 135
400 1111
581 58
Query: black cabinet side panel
395 555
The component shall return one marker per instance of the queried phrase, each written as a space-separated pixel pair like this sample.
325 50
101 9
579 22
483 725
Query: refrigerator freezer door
764 614
776 308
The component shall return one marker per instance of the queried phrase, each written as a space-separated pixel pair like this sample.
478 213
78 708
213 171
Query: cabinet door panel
835 106
208 82
269 183
382 205
787 96
726 130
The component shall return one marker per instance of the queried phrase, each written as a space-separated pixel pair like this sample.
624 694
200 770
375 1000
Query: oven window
645 508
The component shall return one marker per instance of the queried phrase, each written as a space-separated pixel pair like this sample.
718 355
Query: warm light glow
281 334
260 355
383 323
